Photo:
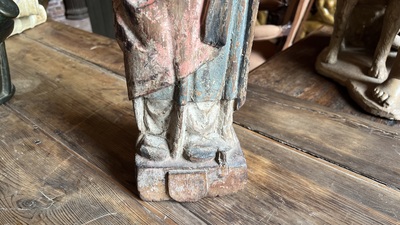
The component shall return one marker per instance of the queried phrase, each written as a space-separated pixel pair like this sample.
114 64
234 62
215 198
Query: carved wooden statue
364 71
186 69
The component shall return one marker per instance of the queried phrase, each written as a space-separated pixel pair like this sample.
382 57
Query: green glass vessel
8 11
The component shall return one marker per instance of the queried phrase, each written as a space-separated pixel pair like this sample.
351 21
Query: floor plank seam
74 153
187 211
317 156
36 127
28 120
196 214
76 57
336 116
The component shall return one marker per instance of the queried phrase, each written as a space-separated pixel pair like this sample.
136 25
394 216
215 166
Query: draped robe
165 41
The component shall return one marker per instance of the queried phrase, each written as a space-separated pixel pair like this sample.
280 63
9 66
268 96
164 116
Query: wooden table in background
68 141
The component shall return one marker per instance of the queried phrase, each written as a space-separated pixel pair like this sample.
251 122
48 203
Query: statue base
6 95
185 181
351 70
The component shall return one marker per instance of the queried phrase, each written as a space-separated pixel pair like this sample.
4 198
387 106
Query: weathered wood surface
73 106
43 181
92 48
327 124
357 144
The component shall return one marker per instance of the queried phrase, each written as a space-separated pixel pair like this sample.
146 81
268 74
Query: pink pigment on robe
162 39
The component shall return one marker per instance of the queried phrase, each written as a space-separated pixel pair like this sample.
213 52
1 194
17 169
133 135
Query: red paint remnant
166 40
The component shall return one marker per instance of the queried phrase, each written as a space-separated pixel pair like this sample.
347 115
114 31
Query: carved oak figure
186 69
365 75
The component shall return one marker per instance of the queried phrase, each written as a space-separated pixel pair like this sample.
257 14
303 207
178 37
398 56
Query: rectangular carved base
184 181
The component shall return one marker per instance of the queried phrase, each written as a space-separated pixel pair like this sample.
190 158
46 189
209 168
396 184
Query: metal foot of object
7 90
7 95
8 11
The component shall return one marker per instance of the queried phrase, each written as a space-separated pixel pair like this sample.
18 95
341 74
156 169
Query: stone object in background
8 11
361 66
101 17
186 68
31 14
56 10
76 9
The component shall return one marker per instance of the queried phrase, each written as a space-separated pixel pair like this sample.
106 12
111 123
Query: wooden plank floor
68 135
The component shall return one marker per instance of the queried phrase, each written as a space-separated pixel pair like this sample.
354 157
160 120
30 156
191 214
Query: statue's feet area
154 148
388 93
379 71
331 56
200 149
396 42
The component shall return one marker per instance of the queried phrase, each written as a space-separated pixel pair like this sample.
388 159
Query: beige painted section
31 14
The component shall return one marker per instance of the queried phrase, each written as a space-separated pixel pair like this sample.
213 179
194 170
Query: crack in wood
333 116
308 152
80 59
100 217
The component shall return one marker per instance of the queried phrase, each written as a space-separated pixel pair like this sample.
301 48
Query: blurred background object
101 17
75 9
284 22
321 14
8 11
44 3
56 10
31 14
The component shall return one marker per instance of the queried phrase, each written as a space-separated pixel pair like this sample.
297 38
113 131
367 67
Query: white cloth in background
31 14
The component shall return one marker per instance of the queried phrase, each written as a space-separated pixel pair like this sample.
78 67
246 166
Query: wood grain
92 48
289 187
43 182
68 137
355 143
